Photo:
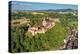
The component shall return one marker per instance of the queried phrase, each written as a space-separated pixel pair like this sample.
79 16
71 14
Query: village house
46 24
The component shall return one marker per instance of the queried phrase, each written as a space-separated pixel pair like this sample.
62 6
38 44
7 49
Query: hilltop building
46 24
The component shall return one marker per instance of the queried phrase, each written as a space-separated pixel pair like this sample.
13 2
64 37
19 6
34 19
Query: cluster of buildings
46 24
